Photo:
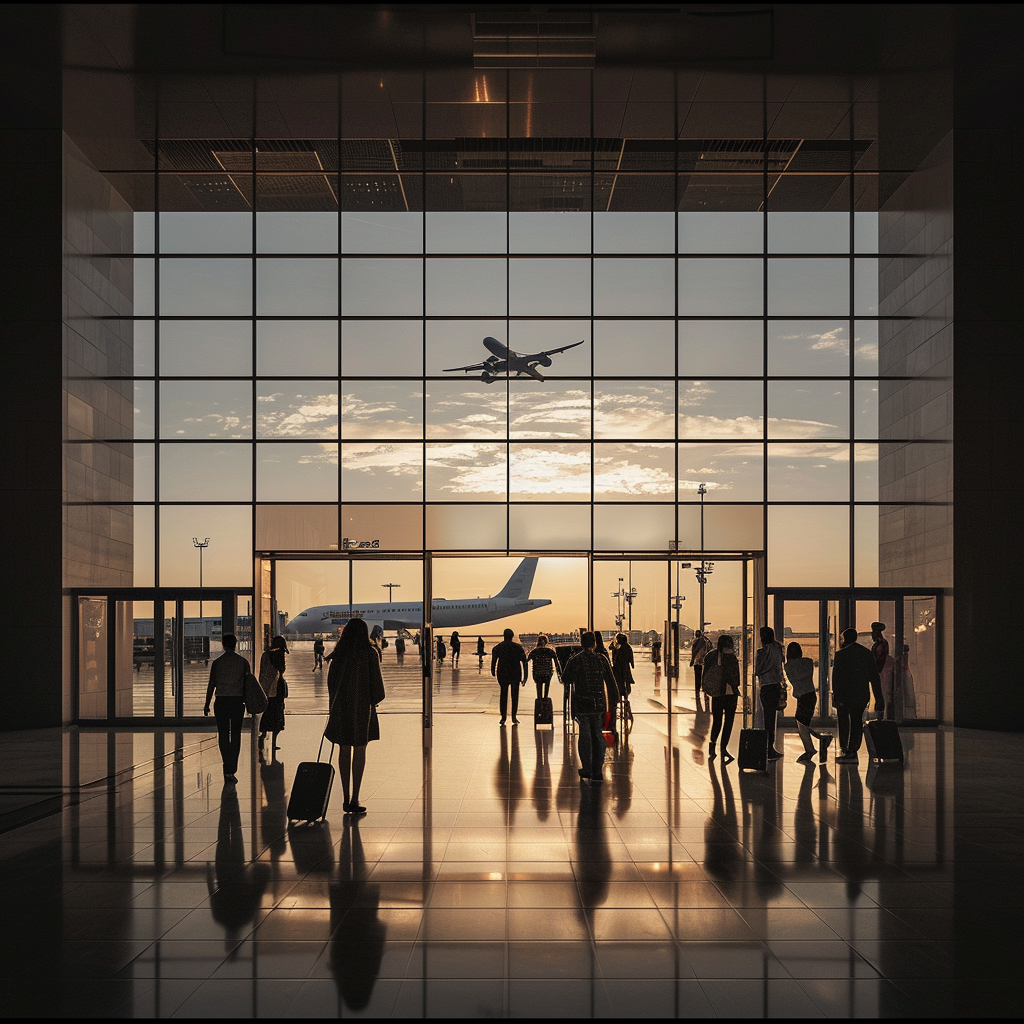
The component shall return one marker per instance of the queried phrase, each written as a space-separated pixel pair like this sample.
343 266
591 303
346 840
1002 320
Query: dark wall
988 468
30 141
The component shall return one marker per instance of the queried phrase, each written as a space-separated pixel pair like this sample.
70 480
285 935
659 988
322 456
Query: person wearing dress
272 667
355 687
800 672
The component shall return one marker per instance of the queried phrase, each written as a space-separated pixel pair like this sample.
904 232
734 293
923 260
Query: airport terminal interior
462 320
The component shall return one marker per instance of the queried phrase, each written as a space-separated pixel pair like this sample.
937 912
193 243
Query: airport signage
348 544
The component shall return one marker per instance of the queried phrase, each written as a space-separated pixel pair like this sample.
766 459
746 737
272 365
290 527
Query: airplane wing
564 348
468 369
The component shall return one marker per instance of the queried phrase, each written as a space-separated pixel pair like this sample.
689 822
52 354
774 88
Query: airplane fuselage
409 614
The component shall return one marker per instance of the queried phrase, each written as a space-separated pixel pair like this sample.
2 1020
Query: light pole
390 587
202 545
705 569
619 595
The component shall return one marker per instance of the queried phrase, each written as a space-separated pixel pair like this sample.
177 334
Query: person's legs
223 733
698 671
344 767
728 715
716 723
843 726
591 742
584 741
770 705
358 764
503 701
856 730
515 702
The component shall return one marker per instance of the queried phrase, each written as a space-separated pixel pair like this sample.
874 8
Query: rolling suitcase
543 713
753 750
883 741
311 791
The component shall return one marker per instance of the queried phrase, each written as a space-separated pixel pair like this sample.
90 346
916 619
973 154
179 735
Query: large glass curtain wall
311 315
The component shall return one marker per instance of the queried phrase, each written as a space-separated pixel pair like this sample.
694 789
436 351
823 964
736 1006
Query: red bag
609 736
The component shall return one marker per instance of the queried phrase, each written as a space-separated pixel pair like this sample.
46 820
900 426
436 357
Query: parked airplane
504 362
512 599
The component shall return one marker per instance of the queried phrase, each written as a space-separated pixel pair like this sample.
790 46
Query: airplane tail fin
520 582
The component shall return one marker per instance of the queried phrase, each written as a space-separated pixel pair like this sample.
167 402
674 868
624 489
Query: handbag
783 696
606 731
252 693
282 688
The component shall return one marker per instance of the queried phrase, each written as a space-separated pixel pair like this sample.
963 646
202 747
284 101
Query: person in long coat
356 687
272 669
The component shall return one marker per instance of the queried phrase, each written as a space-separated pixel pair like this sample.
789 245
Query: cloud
297 416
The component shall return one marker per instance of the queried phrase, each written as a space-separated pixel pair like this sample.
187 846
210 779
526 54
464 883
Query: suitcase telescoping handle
323 735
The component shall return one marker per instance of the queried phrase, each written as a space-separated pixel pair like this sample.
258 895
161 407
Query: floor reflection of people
805 821
622 778
357 932
508 773
273 813
236 889
568 777
545 740
593 859
721 849
761 799
850 856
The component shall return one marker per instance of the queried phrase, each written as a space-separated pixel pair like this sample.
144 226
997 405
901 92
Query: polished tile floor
485 881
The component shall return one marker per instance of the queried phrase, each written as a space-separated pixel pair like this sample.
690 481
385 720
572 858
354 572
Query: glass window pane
144 409
720 287
633 527
634 347
809 287
200 408
865 287
722 410
634 472
865 472
865 409
552 472
865 348
384 233
727 348
532 337
214 348
144 546
472 471
387 527
731 472
726 527
470 287
297 528
809 546
205 472
144 287
634 232
381 410
208 231
143 336
538 527
549 232
865 232
721 232
466 409
381 472
809 472
634 409
382 287
548 410
307 409
295 232
808 232
144 232
227 562
143 469
634 287
549 287
300 287
466 232
289 347
369 347
865 546
296 472
466 527
205 287
802 409
809 348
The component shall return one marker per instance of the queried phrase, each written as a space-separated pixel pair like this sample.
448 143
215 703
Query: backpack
711 681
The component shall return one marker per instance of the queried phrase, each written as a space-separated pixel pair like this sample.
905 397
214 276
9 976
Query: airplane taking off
512 599
504 362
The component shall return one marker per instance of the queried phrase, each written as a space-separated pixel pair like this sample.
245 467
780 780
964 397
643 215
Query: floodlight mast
202 545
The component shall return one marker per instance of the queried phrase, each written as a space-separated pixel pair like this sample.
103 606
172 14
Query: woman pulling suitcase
356 688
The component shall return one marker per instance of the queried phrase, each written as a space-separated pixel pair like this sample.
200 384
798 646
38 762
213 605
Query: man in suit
854 675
